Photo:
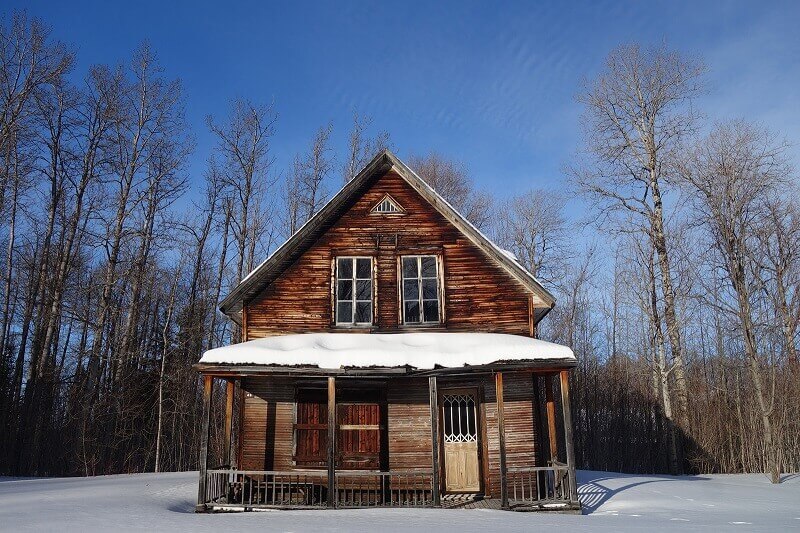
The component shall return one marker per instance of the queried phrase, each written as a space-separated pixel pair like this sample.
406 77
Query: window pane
462 417
429 291
364 289
345 269
363 268
344 290
471 407
431 310
410 290
412 311
428 267
344 312
364 312
409 267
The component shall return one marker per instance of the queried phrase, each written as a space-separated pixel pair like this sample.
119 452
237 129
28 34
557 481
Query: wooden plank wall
522 439
479 294
268 418
409 424
267 425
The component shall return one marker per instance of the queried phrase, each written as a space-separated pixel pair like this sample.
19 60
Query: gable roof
286 254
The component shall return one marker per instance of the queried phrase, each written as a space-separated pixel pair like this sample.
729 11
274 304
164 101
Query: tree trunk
670 316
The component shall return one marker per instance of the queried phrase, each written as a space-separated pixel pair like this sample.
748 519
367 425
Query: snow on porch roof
418 350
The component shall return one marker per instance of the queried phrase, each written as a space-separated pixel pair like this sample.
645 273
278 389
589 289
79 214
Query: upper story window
354 291
420 289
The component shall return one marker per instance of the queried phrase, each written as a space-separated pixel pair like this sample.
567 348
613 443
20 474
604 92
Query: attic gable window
353 291
420 289
388 206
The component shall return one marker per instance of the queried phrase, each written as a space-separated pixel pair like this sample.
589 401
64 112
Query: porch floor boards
469 501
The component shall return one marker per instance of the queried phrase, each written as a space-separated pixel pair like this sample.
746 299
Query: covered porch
342 420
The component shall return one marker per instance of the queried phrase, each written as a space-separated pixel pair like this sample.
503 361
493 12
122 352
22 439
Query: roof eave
239 370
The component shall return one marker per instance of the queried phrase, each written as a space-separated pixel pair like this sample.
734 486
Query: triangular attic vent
387 205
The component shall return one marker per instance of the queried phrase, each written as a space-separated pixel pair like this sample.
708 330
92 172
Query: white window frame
353 297
421 300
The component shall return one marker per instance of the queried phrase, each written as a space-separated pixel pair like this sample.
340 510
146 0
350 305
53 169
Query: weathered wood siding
266 442
479 295
521 426
267 432
409 424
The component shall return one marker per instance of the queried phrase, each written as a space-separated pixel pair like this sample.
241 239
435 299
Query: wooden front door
460 439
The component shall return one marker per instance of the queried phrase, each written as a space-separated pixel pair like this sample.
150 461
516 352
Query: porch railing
384 489
253 489
541 486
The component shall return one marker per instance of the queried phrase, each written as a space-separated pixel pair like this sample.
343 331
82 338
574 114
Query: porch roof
422 350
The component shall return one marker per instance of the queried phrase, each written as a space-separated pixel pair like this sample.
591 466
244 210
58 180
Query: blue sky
489 83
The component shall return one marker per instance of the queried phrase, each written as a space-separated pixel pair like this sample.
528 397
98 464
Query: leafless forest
678 287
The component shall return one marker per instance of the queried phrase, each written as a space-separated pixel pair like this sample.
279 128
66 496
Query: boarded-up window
311 428
359 429
359 443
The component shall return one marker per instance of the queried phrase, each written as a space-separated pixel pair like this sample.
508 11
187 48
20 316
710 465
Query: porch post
551 417
568 445
434 401
229 388
501 429
208 382
331 441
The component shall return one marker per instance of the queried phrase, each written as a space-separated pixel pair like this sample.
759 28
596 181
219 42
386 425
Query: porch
532 481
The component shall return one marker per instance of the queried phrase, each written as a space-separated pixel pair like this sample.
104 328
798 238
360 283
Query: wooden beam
237 457
501 430
208 383
538 421
434 401
484 443
568 445
245 336
229 389
551 417
331 441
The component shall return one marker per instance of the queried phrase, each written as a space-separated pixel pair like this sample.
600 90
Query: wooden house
389 358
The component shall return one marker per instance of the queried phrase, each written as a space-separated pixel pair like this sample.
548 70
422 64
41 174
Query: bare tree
360 147
635 114
778 239
732 174
243 142
451 179
312 173
29 61
533 227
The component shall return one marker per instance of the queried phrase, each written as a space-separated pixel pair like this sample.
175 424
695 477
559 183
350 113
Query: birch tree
636 112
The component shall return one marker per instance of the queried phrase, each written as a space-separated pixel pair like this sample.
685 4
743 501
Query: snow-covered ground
612 502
